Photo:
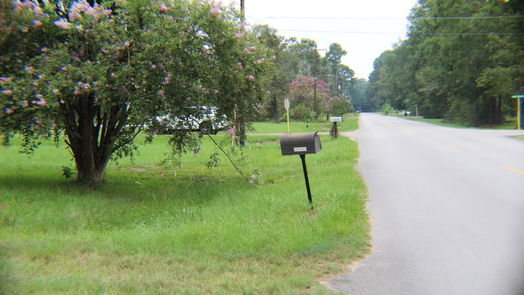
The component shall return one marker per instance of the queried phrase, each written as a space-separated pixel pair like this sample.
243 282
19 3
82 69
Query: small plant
214 160
67 171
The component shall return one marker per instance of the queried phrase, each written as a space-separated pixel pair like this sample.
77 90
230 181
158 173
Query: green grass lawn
157 227
350 123
510 124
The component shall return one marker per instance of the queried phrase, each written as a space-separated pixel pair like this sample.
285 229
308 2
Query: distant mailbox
300 144
336 119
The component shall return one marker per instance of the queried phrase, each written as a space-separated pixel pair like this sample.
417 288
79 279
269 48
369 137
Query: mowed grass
158 228
510 124
350 123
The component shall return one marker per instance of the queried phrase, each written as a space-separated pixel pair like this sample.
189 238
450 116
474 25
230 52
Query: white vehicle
203 119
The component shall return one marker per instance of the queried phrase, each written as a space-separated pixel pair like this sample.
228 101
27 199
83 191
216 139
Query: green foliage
387 108
461 62
340 106
301 113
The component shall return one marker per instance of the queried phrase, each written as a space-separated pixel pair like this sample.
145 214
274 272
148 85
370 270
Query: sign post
520 110
334 129
286 106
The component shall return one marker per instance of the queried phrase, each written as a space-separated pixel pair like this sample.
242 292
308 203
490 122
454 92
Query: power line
391 18
340 32
397 33
468 17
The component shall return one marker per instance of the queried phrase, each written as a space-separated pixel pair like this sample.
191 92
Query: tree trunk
499 117
91 135
495 111
274 109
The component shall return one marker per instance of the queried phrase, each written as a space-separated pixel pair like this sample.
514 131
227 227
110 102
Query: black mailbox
300 144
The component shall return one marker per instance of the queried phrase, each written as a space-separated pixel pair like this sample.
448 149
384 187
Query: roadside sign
286 106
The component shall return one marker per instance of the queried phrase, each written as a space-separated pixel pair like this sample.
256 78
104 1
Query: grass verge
157 227
510 124
350 123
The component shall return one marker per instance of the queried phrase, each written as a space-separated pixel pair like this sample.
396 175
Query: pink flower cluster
37 23
22 5
41 102
7 92
259 61
34 8
84 86
29 69
250 49
217 7
8 111
163 7
5 80
63 24
82 7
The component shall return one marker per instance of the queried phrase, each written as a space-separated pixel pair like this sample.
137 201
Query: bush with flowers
96 74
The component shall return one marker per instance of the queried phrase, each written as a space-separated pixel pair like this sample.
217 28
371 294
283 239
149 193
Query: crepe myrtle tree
95 74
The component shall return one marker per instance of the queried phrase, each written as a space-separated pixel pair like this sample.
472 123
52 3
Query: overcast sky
364 28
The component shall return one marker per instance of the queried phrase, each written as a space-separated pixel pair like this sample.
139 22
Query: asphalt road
447 210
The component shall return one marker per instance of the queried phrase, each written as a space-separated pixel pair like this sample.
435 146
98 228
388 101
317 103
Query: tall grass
157 227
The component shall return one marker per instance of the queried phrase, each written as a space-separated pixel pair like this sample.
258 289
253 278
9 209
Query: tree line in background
317 86
462 61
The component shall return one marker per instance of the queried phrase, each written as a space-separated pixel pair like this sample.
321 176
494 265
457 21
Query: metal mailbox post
334 129
301 144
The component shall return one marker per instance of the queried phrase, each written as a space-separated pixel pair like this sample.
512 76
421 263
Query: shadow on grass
198 188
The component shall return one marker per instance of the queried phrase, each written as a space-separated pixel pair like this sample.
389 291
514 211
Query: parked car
204 119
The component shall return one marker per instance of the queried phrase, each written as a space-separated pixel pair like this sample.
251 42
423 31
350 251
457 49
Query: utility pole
315 78
315 74
240 117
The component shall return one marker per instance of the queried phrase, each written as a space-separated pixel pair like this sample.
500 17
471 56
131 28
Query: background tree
462 61
303 90
359 96
282 70
333 62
